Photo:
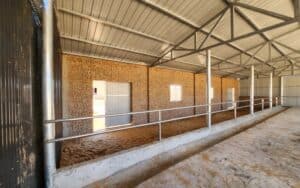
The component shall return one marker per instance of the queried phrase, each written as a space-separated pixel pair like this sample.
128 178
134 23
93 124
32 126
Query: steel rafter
287 47
193 26
232 11
234 47
275 38
235 39
194 33
297 9
212 29
123 28
262 11
250 58
108 46
251 24
166 12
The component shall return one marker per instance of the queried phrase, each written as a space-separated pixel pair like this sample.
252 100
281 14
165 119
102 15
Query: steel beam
254 26
252 90
196 29
108 46
262 11
233 46
208 88
105 58
239 54
212 30
297 9
283 70
117 26
167 12
192 25
277 37
249 59
287 47
232 11
236 39
48 93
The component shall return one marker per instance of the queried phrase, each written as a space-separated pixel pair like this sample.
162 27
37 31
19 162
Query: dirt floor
97 146
267 155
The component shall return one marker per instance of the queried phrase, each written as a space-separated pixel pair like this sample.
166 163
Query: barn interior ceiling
176 34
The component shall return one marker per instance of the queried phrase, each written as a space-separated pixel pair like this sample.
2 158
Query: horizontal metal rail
240 107
120 114
219 111
159 122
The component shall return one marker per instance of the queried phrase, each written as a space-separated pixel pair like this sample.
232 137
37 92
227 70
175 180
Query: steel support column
271 90
297 9
208 87
281 90
252 90
48 92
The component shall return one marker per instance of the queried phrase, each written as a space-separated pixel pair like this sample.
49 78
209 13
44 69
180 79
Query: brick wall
79 73
159 91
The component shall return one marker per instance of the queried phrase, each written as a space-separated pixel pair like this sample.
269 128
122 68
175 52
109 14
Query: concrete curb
95 170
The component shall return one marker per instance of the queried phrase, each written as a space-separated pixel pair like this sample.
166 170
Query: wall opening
230 97
175 93
111 98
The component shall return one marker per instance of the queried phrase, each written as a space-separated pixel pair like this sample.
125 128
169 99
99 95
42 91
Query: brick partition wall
230 83
159 91
79 73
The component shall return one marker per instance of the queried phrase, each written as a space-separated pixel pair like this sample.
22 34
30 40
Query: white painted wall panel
261 87
291 90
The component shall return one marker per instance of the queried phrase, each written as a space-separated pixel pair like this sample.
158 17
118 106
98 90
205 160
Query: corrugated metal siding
21 139
20 129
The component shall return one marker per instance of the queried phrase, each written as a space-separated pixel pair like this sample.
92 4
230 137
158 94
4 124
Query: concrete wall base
99 169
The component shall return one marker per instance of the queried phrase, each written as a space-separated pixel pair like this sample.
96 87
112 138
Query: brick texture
79 73
78 76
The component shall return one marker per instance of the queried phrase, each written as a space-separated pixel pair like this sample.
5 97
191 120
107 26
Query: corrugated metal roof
138 31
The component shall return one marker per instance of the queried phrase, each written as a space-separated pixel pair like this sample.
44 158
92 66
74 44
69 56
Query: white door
117 101
99 100
291 91
110 98
230 98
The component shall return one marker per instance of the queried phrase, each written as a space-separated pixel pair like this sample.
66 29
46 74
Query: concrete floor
267 155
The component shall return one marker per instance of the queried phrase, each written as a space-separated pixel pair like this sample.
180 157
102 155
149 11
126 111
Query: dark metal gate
20 103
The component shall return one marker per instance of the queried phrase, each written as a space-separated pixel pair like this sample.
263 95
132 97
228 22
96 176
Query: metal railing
236 105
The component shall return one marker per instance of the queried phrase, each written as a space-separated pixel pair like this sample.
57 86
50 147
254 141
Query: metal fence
236 105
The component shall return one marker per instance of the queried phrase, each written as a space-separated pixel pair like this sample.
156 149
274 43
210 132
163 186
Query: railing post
159 125
48 93
235 110
252 90
208 87
262 104
276 101
281 90
271 91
